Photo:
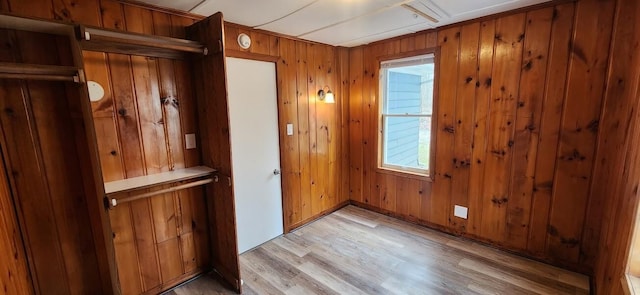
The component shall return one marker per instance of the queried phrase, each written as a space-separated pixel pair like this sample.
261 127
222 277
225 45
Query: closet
119 172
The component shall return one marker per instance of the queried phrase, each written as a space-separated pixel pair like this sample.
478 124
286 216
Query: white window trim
394 63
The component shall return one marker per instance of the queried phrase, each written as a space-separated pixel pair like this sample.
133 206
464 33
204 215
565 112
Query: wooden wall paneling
231 37
173 136
463 121
407 44
145 237
129 274
260 43
152 115
356 165
321 145
420 41
36 8
14 270
527 125
169 100
29 184
55 124
554 93
432 39
142 266
4 5
83 12
35 205
194 214
184 92
579 127
449 42
332 130
616 116
60 243
504 92
147 96
386 185
402 194
369 127
127 118
15 267
618 158
112 14
342 61
211 96
481 125
289 148
304 131
87 154
274 45
104 117
170 260
313 64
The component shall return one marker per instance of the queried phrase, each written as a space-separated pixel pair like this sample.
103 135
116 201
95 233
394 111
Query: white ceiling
345 22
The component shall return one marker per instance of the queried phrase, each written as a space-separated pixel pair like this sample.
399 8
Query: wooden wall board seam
27 100
566 240
546 86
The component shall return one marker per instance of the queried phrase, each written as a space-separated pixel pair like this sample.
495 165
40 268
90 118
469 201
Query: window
406 91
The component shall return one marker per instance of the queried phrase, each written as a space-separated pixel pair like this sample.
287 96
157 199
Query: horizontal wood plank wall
518 109
140 124
618 158
314 158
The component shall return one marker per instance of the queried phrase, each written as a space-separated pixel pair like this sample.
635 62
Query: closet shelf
39 72
105 40
8 21
136 183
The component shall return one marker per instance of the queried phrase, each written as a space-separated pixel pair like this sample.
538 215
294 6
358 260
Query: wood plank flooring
355 251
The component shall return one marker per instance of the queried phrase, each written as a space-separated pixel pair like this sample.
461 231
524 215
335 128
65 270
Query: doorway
255 150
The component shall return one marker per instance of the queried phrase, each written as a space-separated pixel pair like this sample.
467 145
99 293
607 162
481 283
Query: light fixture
327 96
244 41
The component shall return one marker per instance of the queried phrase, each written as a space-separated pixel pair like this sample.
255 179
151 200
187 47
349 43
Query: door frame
275 60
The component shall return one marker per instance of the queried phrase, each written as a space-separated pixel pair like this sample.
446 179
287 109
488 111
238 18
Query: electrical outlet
459 211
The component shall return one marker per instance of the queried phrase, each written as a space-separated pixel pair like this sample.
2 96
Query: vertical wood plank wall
618 162
140 125
314 158
535 126
14 270
518 110
40 148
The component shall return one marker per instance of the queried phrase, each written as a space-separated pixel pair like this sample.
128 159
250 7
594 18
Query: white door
255 150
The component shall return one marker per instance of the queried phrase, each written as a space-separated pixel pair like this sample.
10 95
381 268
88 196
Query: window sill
404 173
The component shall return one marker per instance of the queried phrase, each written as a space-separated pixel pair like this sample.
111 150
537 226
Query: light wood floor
355 251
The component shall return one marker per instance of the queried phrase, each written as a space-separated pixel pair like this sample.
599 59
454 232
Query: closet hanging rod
74 79
115 202
98 39
39 72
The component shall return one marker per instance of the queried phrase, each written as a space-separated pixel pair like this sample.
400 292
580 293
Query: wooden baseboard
317 216
176 282
562 264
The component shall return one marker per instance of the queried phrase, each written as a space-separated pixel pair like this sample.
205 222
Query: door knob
276 172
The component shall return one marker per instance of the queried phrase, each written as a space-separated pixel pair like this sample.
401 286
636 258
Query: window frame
397 170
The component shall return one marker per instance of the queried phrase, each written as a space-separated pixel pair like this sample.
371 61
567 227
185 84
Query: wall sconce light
327 96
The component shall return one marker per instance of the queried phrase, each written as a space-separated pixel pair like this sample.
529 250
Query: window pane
409 90
407 141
